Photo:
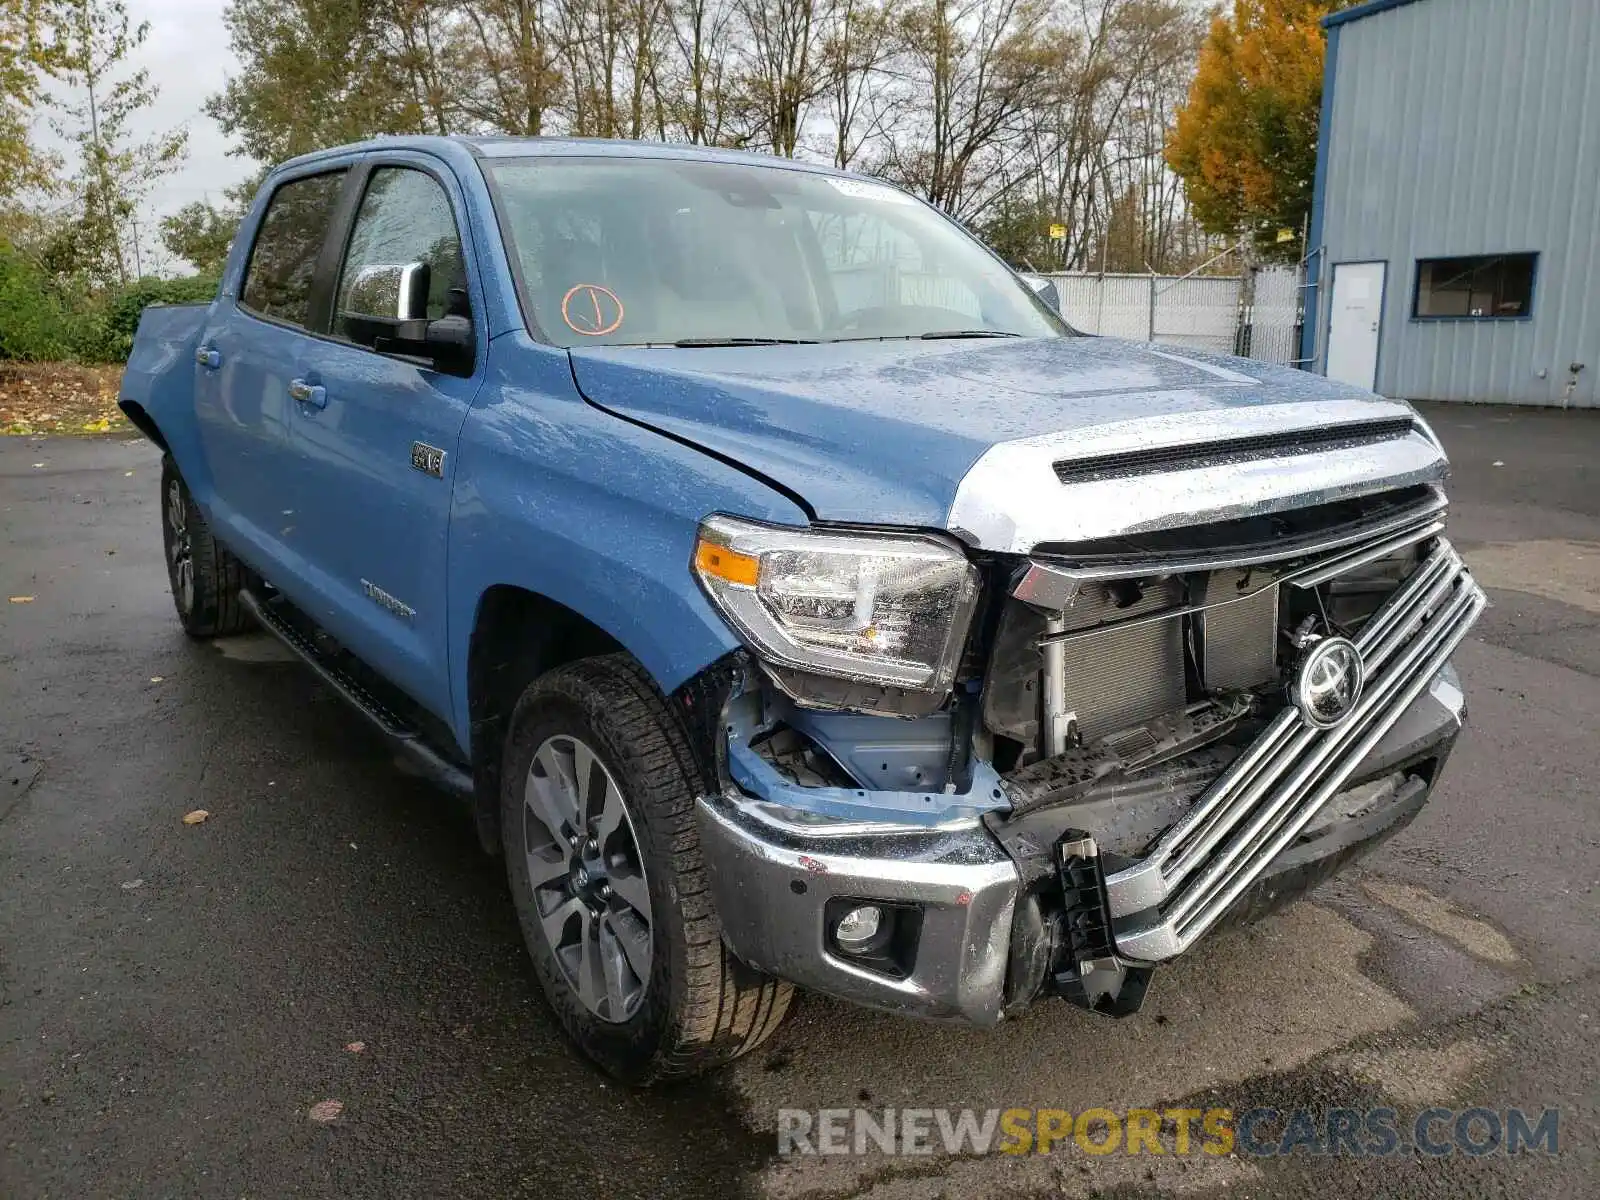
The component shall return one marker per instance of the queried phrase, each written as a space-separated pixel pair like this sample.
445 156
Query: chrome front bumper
772 879
772 885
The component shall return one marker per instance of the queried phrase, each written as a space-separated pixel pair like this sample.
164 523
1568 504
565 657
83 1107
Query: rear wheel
603 857
205 578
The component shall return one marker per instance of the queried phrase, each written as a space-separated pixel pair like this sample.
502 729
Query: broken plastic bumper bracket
1085 966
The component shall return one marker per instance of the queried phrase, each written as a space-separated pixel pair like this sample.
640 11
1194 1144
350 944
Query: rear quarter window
277 279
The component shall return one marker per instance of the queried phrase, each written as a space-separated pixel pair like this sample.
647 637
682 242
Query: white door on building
1354 322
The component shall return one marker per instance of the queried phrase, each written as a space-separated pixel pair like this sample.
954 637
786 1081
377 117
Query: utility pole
91 76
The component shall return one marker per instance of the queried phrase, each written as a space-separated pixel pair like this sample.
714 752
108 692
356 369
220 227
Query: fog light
858 929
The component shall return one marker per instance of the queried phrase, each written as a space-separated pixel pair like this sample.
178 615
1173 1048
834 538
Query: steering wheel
907 318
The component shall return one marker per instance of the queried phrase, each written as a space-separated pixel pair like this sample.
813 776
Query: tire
205 578
682 1004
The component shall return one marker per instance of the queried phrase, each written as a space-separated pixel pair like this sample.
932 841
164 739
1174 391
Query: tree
784 67
201 234
86 48
611 50
1126 65
519 76
697 95
315 73
1016 116
1245 145
981 64
23 60
855 56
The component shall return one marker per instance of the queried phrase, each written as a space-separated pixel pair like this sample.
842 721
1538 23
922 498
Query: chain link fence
1254 313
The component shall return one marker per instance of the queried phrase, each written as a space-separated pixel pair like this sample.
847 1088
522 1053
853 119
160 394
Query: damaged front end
1141 737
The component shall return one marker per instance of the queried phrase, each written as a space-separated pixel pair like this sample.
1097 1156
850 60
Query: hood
884 433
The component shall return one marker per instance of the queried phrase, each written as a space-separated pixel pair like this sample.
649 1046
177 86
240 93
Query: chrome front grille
1272 791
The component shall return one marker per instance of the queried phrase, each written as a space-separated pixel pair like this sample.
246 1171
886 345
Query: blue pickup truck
793 597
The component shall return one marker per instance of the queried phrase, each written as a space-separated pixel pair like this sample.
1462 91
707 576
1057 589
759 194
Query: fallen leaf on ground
355 1047
22 599
326 1110
195 817
131 884
157 678
39 398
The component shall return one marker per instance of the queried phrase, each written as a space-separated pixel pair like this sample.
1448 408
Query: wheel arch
517 635
143 422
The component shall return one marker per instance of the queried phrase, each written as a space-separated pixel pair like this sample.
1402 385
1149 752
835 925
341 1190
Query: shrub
120 317
45 318
34 325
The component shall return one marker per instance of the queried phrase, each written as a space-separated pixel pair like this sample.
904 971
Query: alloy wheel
180 546
587 876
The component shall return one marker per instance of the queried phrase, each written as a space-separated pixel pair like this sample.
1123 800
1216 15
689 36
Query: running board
402 736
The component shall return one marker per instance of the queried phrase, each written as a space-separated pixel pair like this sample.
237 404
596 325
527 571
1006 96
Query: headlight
889 609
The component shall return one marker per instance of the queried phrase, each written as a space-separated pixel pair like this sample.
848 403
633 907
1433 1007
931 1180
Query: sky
188 58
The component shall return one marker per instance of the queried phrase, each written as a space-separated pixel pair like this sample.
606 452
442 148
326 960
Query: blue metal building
1455 233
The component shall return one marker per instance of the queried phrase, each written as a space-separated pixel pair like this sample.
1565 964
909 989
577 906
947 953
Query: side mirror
398 291
1044 288
385 308
450 343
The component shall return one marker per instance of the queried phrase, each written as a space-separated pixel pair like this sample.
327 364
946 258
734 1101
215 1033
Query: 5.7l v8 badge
427 459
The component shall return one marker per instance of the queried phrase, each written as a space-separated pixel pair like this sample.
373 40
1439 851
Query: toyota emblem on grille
1329 683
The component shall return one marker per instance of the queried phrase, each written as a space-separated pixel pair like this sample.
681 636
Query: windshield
666 251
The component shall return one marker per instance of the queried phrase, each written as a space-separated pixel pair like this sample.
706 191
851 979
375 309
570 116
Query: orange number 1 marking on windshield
605 304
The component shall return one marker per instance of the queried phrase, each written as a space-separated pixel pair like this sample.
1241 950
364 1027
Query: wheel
603 857
205 578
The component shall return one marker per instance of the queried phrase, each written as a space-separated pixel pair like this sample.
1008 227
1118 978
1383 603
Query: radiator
1241 638
1125 676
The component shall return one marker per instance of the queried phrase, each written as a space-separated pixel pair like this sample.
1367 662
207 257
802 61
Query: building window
1484 288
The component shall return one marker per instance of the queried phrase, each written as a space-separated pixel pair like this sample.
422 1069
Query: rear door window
277 281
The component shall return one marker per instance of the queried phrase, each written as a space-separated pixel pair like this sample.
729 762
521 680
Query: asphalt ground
175 999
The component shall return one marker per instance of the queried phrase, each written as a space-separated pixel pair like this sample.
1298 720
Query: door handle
208 358
312 395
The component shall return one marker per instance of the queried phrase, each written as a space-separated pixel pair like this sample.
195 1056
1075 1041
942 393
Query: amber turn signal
719 562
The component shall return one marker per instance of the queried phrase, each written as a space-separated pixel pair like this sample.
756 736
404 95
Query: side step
400 734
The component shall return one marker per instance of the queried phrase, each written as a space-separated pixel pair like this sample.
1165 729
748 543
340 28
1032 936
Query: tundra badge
427 459
395 605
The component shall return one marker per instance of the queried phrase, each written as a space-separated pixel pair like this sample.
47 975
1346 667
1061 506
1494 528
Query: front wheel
603 858
205 577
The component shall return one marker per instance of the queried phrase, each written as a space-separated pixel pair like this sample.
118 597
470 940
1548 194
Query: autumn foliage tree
1245 144
23 63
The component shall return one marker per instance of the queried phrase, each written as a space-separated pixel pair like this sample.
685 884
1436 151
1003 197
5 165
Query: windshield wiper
702 342
939 335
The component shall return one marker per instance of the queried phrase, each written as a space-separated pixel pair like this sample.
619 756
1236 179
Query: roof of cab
557 147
